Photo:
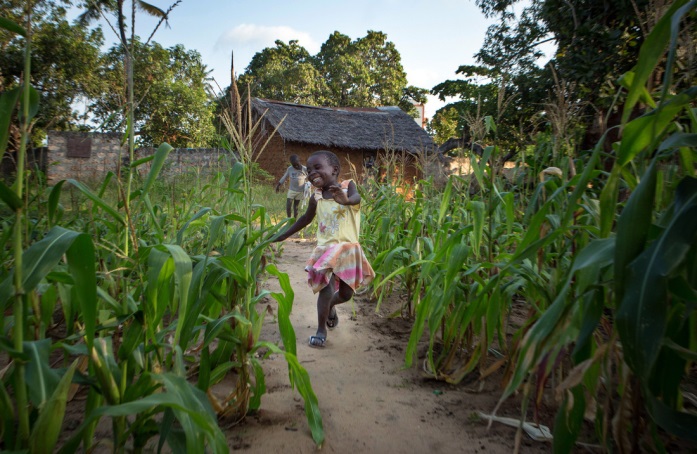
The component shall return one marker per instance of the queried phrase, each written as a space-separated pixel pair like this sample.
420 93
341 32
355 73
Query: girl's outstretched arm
302 221
350 197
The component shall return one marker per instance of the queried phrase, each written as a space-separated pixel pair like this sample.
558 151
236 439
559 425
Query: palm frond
93 10
151 9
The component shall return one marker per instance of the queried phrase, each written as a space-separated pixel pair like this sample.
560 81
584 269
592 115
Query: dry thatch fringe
374 129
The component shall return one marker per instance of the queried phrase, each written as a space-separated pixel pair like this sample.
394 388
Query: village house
359 136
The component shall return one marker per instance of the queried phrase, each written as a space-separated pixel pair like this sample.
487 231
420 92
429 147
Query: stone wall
83 156
181 161
90 156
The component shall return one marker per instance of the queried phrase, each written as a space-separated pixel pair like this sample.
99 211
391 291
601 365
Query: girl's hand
339 195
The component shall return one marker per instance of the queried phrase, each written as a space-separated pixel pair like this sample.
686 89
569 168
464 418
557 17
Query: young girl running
337 266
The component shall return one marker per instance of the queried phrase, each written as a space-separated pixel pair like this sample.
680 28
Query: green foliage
143 283
63 57
364 72
285 73
512 100
173 104
608 284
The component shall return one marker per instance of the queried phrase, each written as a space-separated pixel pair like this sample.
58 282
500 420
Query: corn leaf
98 201
189 404
47 427
676 422
627 80
9 196
7 416
259 388
12 26
649 55
8 102
477 209
445 201
41 380
301 381
642 314
608 202
643 131
81 264
569 420
285 306
158 290
53 201
182 277
180 234
633 227
548 332
679 140
42 257
157 163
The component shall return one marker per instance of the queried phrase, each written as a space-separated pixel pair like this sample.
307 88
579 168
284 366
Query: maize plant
142 327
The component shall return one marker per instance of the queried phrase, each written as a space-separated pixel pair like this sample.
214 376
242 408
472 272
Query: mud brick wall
274 158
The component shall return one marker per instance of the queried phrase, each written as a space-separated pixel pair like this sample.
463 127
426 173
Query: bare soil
368 400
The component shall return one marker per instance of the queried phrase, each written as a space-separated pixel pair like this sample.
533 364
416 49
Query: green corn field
143 293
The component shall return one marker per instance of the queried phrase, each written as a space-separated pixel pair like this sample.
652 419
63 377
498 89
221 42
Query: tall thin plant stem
20 383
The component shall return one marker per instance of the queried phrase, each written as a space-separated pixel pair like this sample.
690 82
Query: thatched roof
377 128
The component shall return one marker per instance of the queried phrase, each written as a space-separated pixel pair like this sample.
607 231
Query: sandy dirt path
369 402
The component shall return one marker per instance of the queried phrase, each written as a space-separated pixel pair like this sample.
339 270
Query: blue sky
433 37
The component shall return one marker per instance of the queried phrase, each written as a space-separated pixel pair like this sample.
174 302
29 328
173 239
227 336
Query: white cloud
253 38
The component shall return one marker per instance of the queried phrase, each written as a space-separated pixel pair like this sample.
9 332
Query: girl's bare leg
327 299
324 307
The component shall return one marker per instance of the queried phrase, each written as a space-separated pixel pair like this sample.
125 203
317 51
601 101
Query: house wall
276 155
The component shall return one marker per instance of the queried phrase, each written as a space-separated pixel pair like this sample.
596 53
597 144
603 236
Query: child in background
296 174
337 266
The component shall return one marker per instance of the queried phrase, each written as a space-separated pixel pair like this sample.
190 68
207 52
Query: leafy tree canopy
285 73
172 104
355 73
63 58
597 42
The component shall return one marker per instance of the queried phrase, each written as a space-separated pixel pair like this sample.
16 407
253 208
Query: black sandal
333 322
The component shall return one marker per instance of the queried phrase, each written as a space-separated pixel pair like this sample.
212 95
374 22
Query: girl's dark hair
331 158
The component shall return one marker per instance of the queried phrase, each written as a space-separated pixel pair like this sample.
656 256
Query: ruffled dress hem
345 260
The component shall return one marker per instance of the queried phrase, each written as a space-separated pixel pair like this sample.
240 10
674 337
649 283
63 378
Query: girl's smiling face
321 172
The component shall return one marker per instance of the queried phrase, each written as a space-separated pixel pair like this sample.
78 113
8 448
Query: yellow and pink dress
338 251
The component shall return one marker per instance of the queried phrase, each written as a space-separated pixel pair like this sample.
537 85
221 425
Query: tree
597 42
510 99
365 72
172 104
64 57
285 73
